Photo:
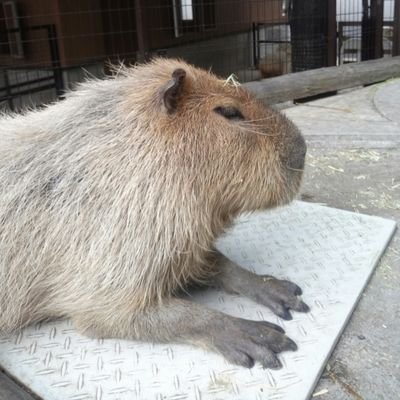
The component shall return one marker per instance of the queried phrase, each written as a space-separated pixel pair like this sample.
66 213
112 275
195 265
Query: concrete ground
354 164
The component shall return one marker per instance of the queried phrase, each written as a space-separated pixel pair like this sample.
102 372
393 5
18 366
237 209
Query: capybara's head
225 142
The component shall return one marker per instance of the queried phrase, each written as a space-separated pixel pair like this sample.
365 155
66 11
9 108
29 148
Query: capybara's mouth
294 178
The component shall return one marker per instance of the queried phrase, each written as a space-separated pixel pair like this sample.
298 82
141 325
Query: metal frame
341 41
257 42
57 78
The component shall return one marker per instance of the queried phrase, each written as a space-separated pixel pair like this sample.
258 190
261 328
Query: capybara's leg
278 295
240 341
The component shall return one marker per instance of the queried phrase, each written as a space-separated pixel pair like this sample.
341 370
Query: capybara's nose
298 150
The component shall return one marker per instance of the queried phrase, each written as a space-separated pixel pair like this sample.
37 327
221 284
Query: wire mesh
47 46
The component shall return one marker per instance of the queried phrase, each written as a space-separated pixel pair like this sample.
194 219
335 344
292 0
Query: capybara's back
59 216
111 201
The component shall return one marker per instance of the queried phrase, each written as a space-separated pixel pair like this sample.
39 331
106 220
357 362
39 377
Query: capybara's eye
229 112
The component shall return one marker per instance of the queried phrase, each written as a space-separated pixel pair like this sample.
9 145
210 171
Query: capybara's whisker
295 169
259 119
254 131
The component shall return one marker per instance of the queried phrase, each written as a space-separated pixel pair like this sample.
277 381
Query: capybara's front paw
244 342
279 296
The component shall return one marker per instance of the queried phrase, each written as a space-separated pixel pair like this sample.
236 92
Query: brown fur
112 199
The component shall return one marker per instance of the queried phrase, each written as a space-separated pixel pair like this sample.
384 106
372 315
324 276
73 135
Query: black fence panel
47 46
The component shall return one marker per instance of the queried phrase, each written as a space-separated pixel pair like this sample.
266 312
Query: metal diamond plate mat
329 253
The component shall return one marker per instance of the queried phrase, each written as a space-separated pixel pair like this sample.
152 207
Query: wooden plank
9 390
318 81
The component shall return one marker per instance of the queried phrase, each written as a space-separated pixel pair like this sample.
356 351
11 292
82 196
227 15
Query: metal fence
46 46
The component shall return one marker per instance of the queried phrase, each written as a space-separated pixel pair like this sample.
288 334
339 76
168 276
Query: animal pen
46 46
280 50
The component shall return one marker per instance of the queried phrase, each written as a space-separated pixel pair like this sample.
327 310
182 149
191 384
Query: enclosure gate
10 91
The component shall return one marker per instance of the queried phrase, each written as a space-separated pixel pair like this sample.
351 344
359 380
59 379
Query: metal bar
274 41
142 36
176 18
258 43
8 91
332 34
32 82
55 59
27 91
340 39
26 29
365 31
255 61
396 29
377 26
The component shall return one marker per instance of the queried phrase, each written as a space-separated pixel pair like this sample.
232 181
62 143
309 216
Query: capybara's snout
297 152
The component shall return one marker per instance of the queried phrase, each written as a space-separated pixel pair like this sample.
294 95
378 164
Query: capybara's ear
173 89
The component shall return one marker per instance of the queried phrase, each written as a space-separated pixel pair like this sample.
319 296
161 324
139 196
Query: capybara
111 201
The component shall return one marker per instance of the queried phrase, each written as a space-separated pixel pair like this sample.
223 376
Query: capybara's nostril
297 153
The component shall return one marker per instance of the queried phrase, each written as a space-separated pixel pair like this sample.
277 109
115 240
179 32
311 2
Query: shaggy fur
108 202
